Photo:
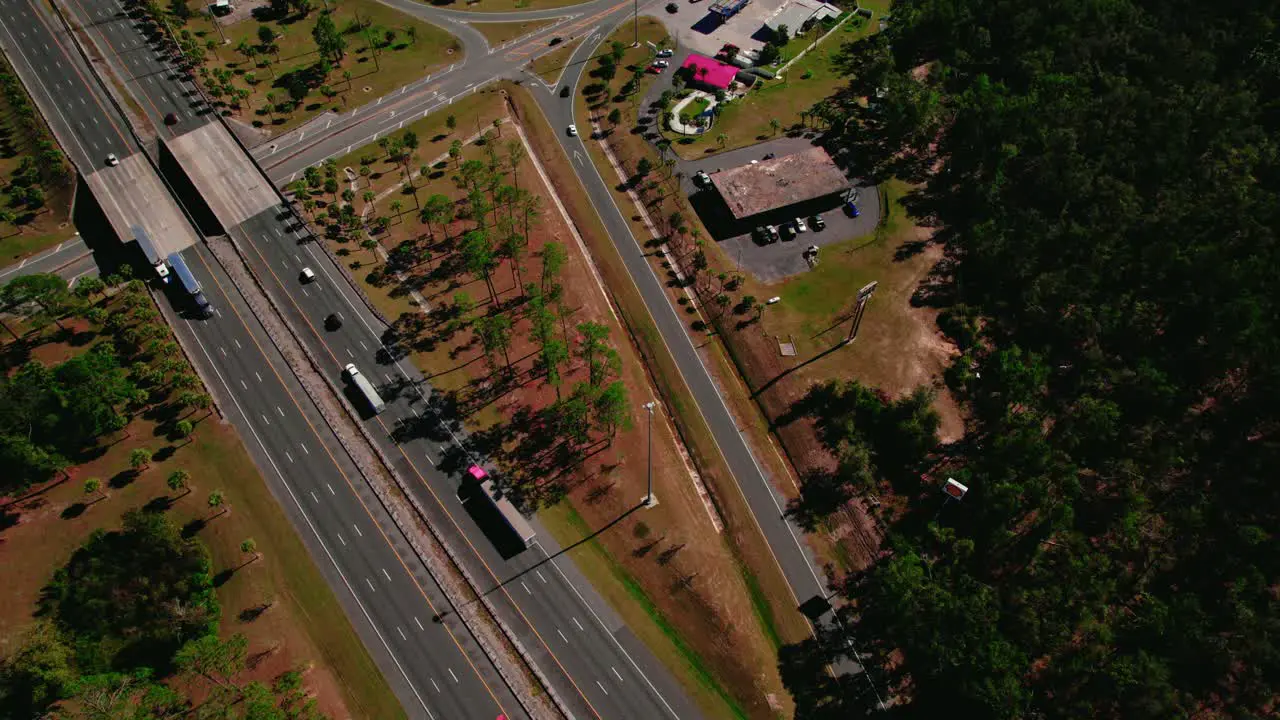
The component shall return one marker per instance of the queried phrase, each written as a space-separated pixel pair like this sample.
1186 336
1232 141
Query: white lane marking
286 454
387 574
615 672
353 357
313 497
316 532
222 350
366 347
526 587
304 448
539 574
455 677
279 411
305 293
575 622
562 637
246 387
237 342
606 692
371 587
402 635
344 542
331 492
255 374
433 462
265 419
357 530
415 620
433 684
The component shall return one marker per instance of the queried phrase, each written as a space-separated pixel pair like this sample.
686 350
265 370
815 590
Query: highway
595 663
436 669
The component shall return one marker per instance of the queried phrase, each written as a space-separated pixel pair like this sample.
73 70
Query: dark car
817 223
170 119
333 322
564 91
851 208
770 156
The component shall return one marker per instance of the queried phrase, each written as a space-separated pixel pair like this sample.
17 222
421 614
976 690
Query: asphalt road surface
592 659
436 668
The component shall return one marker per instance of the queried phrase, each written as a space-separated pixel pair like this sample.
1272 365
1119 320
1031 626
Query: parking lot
703 32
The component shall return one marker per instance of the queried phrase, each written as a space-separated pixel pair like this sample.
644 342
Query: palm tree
721 139
396 207
179 480
249 547
774 125
93 486
217 501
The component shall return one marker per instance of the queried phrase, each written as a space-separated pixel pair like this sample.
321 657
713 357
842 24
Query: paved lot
701 32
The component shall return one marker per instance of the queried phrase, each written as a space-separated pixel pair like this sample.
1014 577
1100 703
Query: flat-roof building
771 184
798 12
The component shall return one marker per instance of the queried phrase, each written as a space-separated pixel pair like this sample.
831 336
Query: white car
112 160
665 52
573 131
308 275
800 226
661 64
702 178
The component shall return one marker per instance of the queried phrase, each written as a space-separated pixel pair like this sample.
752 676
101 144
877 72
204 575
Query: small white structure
955 489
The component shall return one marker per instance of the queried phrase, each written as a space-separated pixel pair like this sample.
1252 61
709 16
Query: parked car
112 160
701 178
665 53
573 131
800 226
851 208
661 64
817 223
774 235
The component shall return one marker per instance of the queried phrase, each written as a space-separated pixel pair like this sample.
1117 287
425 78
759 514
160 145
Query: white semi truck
365 387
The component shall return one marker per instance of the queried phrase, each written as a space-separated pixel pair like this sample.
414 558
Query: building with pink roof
710 72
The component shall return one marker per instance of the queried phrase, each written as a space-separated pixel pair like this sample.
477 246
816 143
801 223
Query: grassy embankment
33 228
304 624
400 60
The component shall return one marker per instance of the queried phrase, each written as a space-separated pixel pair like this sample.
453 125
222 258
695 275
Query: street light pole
635 23
648 498
863 296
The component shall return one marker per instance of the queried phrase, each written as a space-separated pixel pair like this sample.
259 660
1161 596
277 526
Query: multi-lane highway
594 662
436 668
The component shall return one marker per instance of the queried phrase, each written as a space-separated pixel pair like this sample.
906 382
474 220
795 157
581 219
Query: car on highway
817 223
851 208
170 119
800 226
307 275
333 321
112 160
573 131
770 156
665 53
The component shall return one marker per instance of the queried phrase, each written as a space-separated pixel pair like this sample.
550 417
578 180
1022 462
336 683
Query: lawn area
497 33
551 66
814 77
680 580
27 224
280 602
406 49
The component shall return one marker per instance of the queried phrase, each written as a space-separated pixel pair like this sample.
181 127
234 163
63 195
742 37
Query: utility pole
864 295
635 23
649 499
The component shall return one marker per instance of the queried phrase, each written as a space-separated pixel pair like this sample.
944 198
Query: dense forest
1104 178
